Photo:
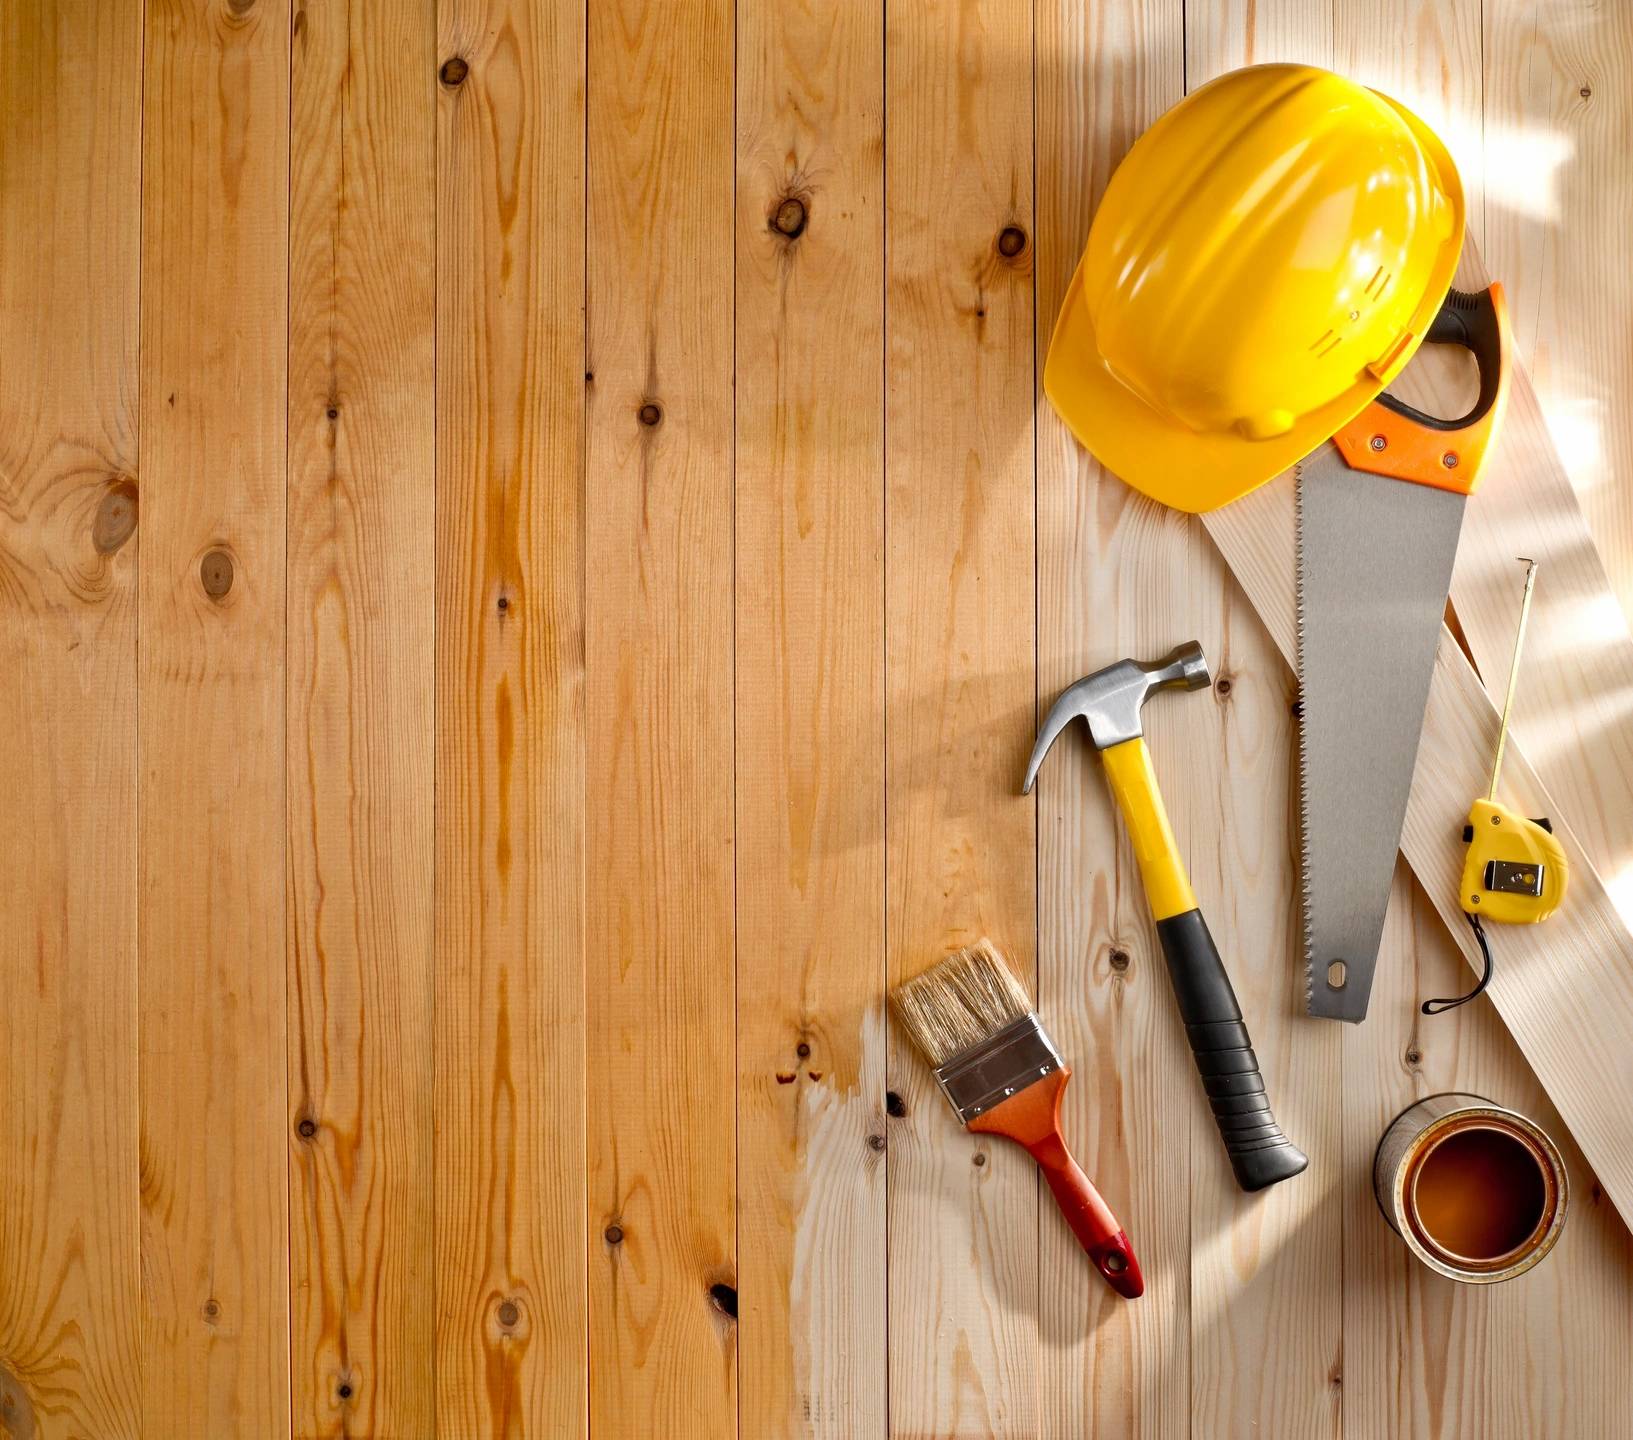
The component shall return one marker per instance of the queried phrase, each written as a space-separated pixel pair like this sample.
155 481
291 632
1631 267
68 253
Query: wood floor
530 552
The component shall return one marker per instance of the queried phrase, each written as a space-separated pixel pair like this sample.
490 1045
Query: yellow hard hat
1264 262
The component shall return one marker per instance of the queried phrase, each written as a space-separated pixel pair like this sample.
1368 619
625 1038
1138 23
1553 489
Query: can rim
1543 1236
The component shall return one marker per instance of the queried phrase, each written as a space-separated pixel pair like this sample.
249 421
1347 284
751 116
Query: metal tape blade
1374 567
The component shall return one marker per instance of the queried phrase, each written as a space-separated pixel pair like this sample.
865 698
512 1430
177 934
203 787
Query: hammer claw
1068 707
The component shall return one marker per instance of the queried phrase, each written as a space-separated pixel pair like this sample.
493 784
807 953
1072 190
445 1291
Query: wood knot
1222 686
115 519
453 72
895 1106
650 414
1119 961
613 1234
724 1298
215 573
790 217
211 1310
1414 1056
876 1143
802 1049
344 1390
16 1410
509 1314
1011 241
1586 92
979 1159
306 1127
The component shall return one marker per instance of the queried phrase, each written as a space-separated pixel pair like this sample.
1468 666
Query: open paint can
1477 1192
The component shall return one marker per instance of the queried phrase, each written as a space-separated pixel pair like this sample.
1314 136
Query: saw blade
1375 560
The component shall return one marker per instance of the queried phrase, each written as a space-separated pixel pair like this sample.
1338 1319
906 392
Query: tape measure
1515 870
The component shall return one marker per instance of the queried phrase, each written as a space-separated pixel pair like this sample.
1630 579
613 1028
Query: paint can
1477 1191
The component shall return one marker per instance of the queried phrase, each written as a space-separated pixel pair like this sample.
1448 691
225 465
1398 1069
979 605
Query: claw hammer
1109 703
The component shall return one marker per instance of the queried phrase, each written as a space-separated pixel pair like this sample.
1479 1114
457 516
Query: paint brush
1003 1076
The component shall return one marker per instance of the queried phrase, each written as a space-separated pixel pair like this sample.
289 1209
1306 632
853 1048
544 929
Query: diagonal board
1565 990
1575 699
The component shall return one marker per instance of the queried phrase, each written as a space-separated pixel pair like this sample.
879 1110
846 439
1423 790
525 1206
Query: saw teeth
1306 890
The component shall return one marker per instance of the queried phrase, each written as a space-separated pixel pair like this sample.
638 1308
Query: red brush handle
1096 1228
1031 1118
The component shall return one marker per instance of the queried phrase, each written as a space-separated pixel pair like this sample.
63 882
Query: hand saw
1380 508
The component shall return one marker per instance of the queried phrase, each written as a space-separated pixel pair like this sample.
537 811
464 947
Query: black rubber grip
1466 318
1259 1153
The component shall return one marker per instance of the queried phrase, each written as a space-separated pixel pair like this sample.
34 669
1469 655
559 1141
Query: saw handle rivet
1449 459
1379 443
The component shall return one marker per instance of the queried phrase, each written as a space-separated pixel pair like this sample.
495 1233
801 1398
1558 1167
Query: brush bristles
966 999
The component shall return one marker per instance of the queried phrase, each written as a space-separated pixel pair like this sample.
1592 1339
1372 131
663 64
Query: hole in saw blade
1336 975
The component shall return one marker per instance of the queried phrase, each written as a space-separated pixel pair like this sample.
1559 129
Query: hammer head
1109 700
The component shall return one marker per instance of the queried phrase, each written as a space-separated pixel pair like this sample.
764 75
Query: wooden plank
69 148
1575 698
360 716
1564 989
1425 54
1106 559
810 718
216 1126
1424 1357
960 686
510 743
1263 1267
660 906
1558 125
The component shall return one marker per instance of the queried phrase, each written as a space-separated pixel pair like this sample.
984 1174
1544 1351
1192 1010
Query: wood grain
660 1075
69 1302
810 719
960 687
361 716
511 1325
215 1117
509 783
1558 123
1107 1366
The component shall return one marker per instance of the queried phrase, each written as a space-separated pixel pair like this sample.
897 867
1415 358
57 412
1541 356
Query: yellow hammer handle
1134 783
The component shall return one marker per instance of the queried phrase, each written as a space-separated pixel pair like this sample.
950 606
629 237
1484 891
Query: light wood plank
71 78
1573 713
510 746
215 1118
1425 54
960 682
810 718
661 1068
1255 1261
360 716
1558 125
1564 989
1107 564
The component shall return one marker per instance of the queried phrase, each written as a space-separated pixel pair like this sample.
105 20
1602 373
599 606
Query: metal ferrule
1019 1055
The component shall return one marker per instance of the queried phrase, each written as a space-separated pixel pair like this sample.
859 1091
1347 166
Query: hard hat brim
1198 471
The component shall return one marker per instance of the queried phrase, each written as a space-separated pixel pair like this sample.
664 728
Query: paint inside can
1476 1191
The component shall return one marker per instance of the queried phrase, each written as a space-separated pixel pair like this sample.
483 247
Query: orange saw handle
1392 438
